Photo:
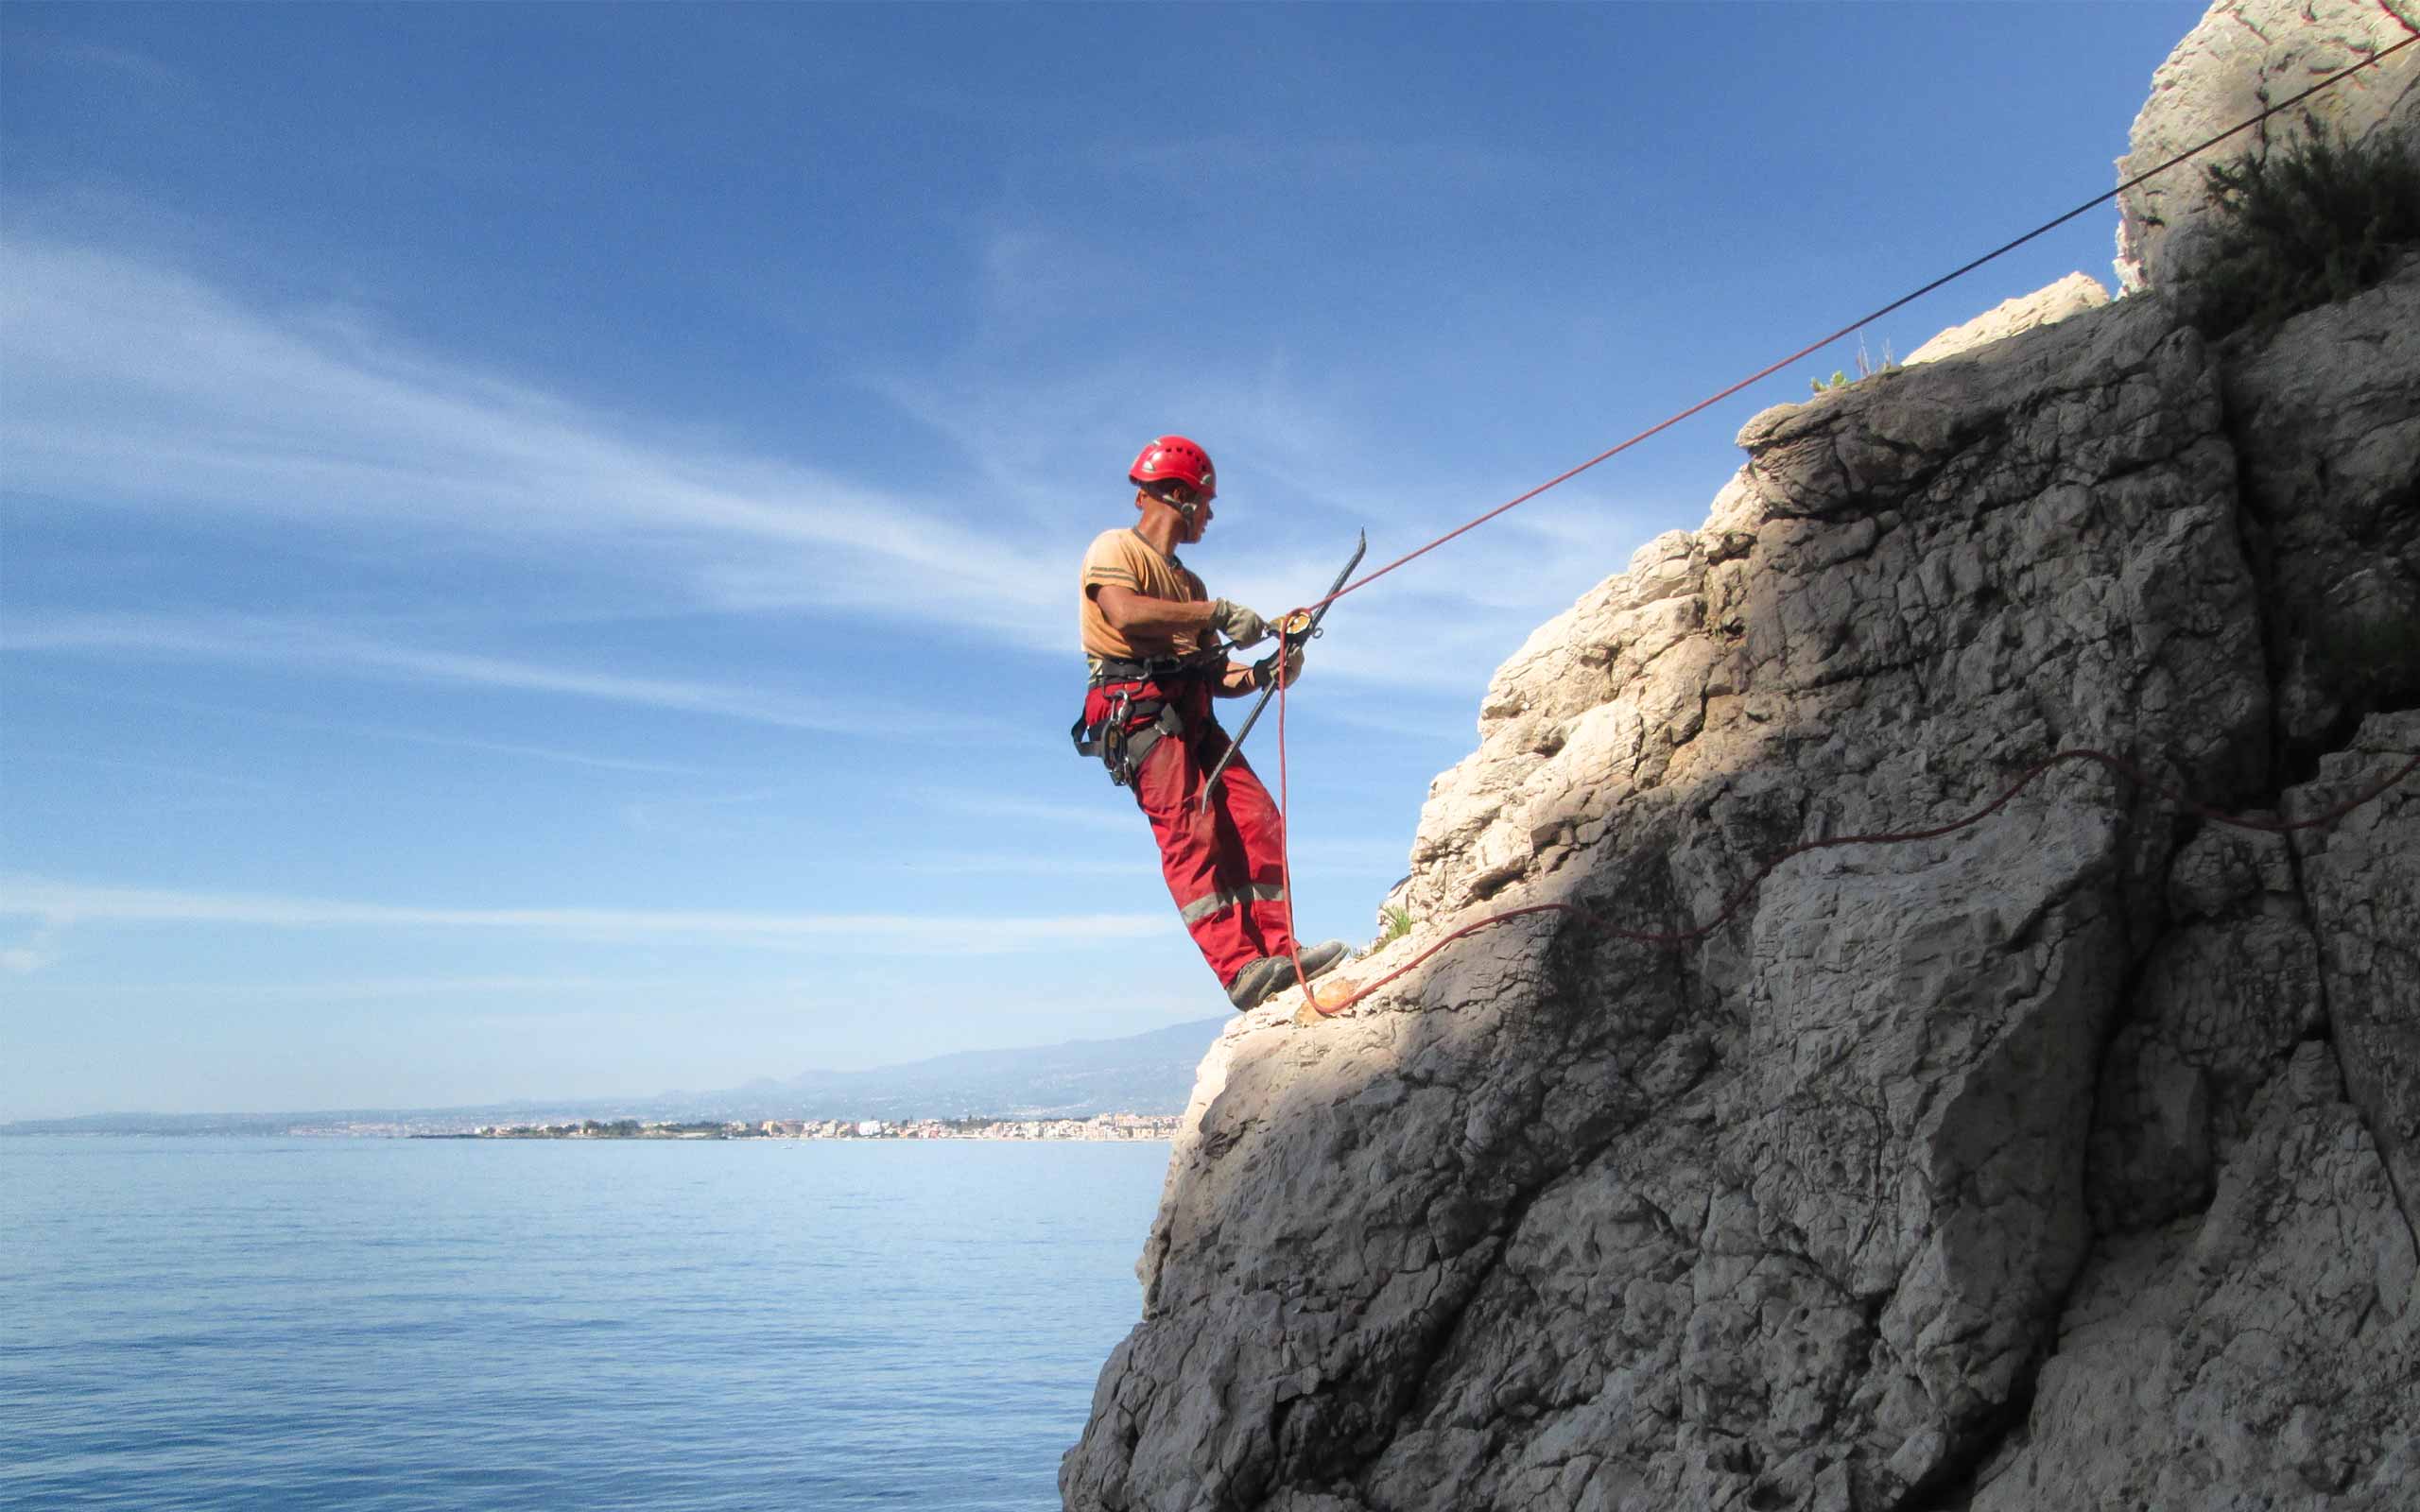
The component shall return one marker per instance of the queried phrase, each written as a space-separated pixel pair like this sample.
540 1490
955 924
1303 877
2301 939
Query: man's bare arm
1139 617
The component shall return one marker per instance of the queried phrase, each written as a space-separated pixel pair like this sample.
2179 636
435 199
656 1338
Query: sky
537 544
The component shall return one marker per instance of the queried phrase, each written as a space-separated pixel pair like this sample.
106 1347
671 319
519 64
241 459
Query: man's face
1173 497
1198 522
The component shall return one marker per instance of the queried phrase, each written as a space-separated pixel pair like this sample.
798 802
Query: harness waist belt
1112 669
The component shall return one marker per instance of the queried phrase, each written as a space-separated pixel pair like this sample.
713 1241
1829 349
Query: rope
1854 326
1738 898
1285 840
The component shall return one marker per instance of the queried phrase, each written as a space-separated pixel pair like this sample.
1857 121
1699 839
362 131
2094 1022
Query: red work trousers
1225 865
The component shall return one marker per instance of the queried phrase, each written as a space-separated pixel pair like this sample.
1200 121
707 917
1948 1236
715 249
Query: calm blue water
418 1324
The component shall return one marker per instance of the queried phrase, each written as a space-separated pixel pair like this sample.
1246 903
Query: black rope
1849 329
2145 177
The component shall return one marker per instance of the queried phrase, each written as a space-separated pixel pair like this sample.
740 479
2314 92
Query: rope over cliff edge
1338 1004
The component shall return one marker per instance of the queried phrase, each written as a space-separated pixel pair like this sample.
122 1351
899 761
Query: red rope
1284 843
1732 905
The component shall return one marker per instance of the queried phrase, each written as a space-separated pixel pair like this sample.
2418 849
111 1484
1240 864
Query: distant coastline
1101 1127
1148 1074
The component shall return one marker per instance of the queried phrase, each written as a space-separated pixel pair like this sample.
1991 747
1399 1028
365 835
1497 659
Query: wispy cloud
60 905
182 774
32 954
301 643
1034 865
1353 858
139 386
128 65
1367 165
541 753
702 815
992 805
376 988
255 715
1310 452
142 387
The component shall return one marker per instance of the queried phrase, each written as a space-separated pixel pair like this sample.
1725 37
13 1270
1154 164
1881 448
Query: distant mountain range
1141 1074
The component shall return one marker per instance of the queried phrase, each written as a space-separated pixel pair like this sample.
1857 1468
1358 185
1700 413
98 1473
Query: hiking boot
1259 982
1271 974
1322 957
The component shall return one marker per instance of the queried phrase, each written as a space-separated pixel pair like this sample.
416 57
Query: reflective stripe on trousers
1202 908
1223 868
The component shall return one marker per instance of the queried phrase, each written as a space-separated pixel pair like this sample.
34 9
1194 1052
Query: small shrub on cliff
2374 658
2317 222
1398 924
1866 368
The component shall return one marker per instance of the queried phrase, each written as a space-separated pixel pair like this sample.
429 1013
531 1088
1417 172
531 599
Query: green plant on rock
2373 658
1398 924
2304 227
1866 368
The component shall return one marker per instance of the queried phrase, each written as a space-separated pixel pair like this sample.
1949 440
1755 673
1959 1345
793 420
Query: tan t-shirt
1121 559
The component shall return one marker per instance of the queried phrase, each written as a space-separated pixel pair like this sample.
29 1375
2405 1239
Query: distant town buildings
1099 1127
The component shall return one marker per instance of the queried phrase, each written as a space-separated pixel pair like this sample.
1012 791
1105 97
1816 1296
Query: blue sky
537 544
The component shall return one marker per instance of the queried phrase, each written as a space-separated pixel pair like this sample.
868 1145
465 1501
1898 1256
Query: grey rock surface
1565 1221
2363 885
2259 1355
2328 420
2260 1349
2244 56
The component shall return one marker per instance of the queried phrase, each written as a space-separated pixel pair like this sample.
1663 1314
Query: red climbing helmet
1167 457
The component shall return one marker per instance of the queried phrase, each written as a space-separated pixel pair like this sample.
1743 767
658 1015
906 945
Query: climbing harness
1130 706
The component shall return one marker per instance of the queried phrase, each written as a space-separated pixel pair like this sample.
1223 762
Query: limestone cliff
2071 1161
2246 55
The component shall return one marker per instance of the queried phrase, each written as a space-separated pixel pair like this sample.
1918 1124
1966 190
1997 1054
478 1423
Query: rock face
2072 295
2329 416
2068 1161
2086 1107
2245 55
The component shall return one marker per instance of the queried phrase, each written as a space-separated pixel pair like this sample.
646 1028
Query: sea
383 1324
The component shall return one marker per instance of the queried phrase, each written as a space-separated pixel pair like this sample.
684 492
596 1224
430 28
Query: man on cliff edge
1151 637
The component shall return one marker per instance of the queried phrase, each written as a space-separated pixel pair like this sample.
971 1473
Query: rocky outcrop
2248 1331
2328 417
2363 883
2244 56
2069 1159
2066 1160
2072 295
2259 1354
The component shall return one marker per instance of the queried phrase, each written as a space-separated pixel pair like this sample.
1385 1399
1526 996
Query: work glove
1264 671
1236 623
